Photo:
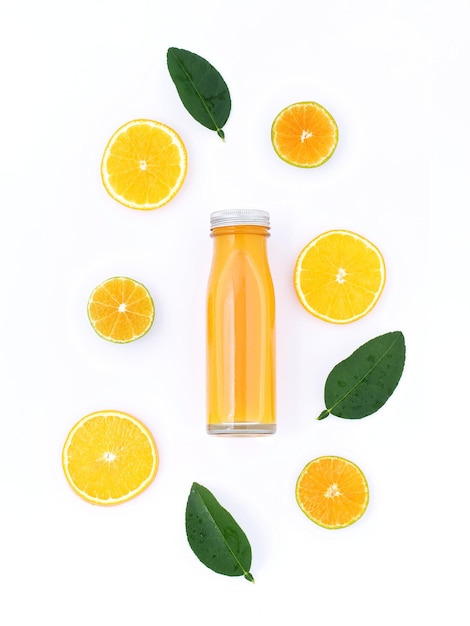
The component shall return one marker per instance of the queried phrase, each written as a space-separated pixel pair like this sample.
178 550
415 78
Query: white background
393 74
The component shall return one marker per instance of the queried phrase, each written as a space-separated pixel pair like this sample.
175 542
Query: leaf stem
323 414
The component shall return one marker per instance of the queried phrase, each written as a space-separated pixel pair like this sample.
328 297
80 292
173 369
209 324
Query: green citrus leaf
201 88
215 537
362 383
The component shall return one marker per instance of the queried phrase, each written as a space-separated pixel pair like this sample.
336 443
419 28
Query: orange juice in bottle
240 326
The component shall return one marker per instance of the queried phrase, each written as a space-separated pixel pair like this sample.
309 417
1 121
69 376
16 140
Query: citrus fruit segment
339 276
332 492
121 310
109 457
144 164
304 134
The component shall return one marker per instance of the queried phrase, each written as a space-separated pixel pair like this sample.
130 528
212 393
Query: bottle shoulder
238 269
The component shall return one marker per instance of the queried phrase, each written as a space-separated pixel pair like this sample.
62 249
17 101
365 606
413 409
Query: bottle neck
241 229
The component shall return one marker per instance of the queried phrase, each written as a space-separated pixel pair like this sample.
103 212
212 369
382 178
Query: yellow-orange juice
240 327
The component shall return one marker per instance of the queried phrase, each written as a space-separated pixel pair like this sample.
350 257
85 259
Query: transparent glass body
240 334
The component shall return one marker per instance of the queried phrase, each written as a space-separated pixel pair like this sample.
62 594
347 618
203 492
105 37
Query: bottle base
244 429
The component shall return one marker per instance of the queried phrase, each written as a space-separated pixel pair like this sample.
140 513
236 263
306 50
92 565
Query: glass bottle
240 326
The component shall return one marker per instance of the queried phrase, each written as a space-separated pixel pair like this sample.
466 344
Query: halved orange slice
121 309
144 164
339 276
304 134
332 492
109 457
